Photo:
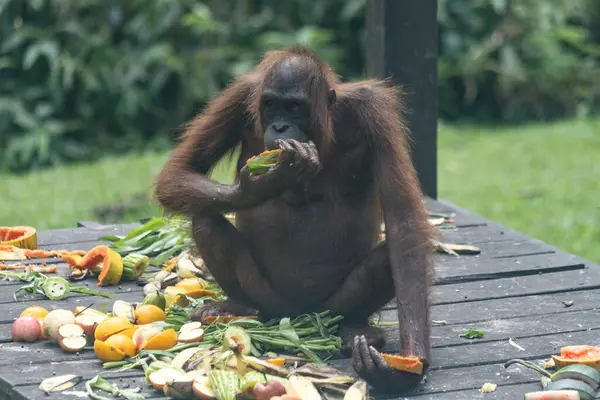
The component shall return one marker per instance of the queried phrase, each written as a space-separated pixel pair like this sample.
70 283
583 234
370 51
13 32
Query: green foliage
82 78
517 59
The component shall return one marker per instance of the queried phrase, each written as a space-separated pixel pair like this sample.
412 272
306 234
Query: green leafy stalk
102 384
160 239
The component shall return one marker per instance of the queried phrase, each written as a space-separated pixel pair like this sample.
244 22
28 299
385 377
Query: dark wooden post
402 44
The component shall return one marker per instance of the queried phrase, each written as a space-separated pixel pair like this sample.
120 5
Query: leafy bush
86 77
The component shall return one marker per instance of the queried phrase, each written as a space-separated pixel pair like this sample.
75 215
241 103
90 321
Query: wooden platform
514 289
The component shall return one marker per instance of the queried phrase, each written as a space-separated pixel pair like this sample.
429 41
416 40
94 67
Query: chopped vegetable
59 383
224 384
472 334
160 239
585 391
260 164
580 372
56 288
134 265
236 337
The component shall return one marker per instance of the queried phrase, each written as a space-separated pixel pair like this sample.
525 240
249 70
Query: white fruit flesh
73 344
202 389
190 326
191 336
160 378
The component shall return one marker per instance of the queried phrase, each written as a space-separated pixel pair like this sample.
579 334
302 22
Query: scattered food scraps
488 387
472 334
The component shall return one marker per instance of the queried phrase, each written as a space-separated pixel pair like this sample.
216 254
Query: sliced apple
87 323
71 338
190 326
158 379
192 336
202 389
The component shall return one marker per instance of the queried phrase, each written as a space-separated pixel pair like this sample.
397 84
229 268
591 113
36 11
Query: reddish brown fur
366 165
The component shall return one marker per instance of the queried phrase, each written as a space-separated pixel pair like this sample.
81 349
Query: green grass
540 179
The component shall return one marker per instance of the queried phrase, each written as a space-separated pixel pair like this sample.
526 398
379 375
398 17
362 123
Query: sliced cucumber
236 336
56 288
579 372
585 391
553 395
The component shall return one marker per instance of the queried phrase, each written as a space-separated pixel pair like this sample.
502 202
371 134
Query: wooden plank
520 286
34 374
32 392
486 310
75 235
516 328
465 269
462 379
479 234
503 392
402 44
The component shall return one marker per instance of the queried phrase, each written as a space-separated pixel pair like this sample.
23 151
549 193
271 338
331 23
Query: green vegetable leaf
287 330
472 334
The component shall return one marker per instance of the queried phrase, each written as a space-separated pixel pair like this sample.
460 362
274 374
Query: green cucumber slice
238 336
56 288
580 372
585 391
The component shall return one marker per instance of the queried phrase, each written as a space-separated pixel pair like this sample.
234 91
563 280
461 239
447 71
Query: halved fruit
144 333
191 336
71 338
160 378
123 343
163 341
111 326
24 237
96 315
202 388
149 313
235 337
110 261
105 352
172 296
406 364
190 284
129 332
87 323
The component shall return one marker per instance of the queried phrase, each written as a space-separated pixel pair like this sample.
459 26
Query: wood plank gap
478 321
470 342
508 274
538 253
513 296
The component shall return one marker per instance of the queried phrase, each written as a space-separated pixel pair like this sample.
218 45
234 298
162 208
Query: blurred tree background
79 79
113 82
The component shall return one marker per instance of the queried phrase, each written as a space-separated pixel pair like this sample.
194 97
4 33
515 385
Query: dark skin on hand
307 232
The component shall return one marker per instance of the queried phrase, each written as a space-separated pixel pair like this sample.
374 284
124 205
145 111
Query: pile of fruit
576 376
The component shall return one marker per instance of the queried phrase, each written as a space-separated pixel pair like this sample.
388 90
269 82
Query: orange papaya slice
406 364
110 262
24 237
